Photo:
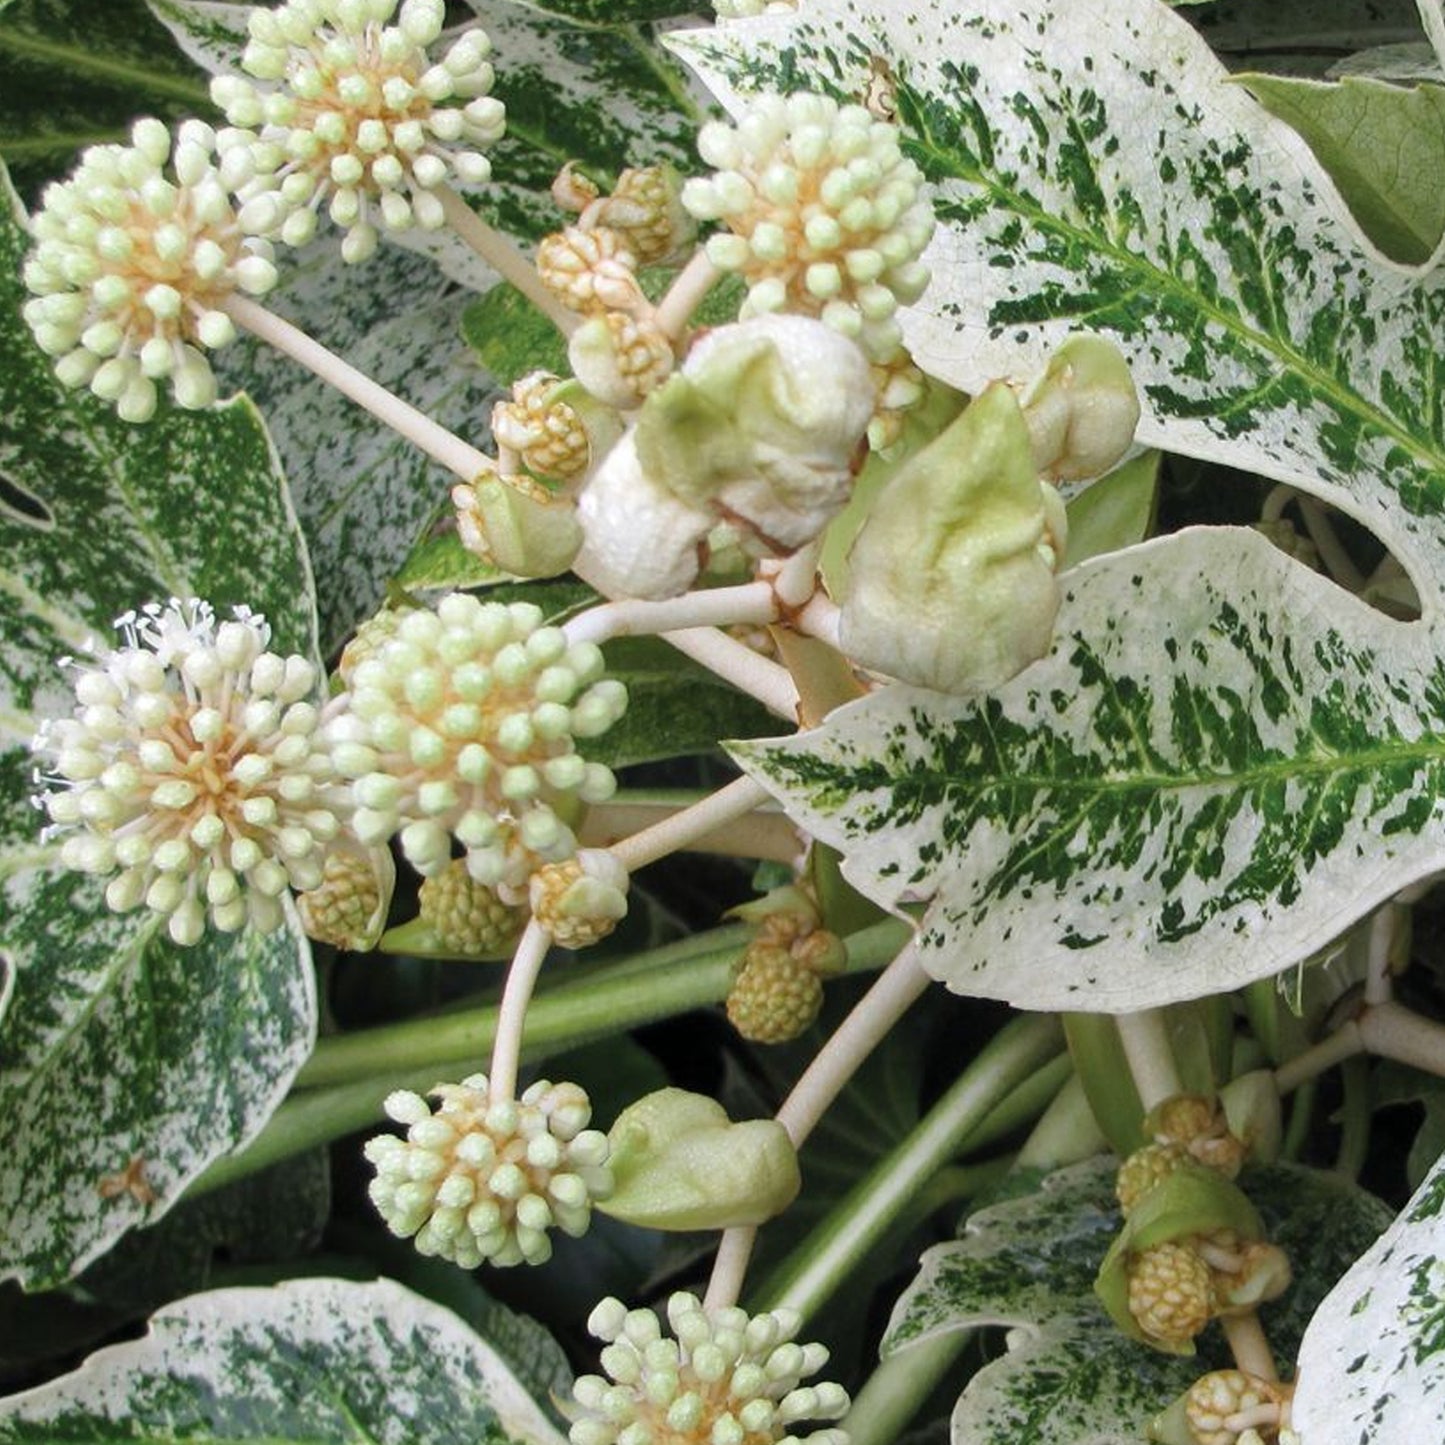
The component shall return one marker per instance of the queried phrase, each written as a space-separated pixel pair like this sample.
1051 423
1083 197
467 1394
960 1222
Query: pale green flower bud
526 532
1082 411
1251 1107
951 580
679 1162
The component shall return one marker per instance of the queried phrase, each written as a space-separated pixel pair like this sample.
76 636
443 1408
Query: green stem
1355 1118
896 1390
853 1227
1301 1115
414 1055
1145 1037
1067 1132
1104 1073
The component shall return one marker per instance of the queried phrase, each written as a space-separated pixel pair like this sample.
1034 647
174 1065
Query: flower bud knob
679 1162
951 580
1082 411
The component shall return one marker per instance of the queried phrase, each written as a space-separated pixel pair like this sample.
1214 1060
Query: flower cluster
824 215
462 725
467 916
482 1179
132 267
352 114
193 770
724 1378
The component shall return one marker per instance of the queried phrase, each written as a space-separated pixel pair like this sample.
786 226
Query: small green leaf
1372 1363
442 562
1116 511
311 1362
1068 1377
1384 146
511 337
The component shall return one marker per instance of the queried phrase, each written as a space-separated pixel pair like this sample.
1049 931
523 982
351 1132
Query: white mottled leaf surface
1372 1363
1094 168
310 1362
1223 762
1068 1377
114 1045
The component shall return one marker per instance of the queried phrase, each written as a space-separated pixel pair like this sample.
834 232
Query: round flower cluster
581 901
193 771
131 269
547 434
723 1379
468 916
462 725
479 1179
824 215
351 113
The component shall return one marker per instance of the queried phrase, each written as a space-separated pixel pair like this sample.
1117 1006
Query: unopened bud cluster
132 265
545 432
581 901
468 916
347 909
721 1378
778 990
463 725
482 1179
193 771
824 215
1222 1407
353 115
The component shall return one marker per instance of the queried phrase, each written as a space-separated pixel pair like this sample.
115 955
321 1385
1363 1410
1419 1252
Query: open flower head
192 773
350 112
133 262
824 215
487 1179
720 1376
463 725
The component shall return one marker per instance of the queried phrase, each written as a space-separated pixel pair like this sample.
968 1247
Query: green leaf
442 562
1263 758
1116 511
1372 1363
511 337
114 1045
1096 169
79 74
1383 145
1068 1377
319 1361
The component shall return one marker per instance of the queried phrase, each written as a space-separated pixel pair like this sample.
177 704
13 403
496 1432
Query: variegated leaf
114 1046
1372 1363
1224 761
1069 1377
1095 168
319 1361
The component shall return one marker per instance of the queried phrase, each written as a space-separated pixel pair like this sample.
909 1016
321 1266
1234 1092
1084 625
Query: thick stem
457 456
1013 1065
897 1389
1145 1037
1248 1345
686 294
1383 928
502 255
735 662
1343 1044
754 603
856 1037
728 804
511 1018
1393 1032
762 833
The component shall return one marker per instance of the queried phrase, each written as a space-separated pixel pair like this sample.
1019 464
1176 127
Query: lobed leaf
1372 1362
115 1047
1094 168
1223 762
1068 1377
319 1361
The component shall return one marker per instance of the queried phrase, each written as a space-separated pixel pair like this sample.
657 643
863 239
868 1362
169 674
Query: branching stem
753 602
728 804
1145 1037
737 663
686 294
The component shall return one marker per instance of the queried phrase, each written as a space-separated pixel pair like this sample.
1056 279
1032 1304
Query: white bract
462 725
486 1179
825 216
724 1378
193 772
132 266
352 114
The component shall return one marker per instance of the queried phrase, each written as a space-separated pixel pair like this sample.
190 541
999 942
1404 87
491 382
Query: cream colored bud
951 580
1082 411
679 1162
580 901
348 908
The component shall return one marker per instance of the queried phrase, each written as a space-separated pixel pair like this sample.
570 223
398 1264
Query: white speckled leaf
1372 1363
310 1362
1224 761
1094 168
1068 1376
112 1045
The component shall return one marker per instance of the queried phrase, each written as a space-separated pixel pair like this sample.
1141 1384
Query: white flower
824 215
192 771
724 1378
132 266
352 114
462 725
480 1179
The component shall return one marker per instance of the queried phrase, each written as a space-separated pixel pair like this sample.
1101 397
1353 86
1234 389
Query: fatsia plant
597 417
